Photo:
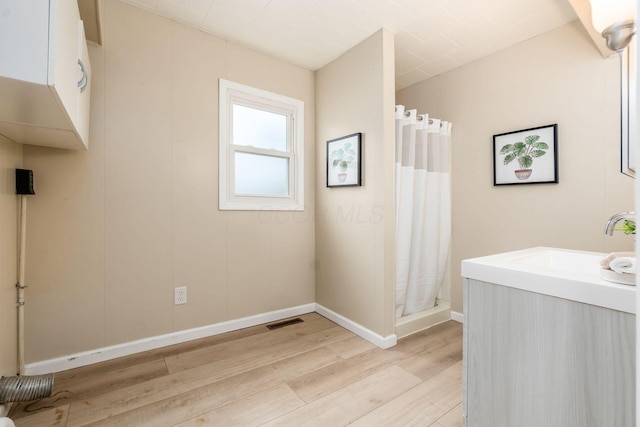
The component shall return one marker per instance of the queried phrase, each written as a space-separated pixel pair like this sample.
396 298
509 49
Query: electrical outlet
180 295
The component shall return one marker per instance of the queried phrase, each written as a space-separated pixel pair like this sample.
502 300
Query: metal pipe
20 285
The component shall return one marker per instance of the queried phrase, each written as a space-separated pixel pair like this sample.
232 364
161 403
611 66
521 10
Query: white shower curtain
423 209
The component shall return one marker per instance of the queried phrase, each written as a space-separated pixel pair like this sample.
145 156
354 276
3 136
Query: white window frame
232 93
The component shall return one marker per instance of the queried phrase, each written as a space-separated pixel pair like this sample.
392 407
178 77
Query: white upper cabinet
45 74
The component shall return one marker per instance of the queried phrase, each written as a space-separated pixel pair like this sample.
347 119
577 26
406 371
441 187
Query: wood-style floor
314 373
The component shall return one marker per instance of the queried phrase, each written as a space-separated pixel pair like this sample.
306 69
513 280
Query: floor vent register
285 323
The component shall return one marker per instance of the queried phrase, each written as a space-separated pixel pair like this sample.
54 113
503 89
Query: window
261 149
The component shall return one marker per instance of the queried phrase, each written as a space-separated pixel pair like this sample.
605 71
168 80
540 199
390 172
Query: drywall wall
558 77
355 225
10 159
113 230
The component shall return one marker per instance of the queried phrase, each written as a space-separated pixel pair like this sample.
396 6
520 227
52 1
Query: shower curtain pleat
423 209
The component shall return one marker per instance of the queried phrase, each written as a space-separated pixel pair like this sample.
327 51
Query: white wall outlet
180 295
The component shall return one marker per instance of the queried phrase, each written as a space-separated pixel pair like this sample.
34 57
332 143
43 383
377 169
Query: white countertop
562 273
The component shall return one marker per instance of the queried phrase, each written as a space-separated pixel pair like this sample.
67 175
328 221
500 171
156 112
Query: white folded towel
623 265
604 263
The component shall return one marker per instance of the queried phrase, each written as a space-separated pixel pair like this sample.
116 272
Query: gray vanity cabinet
538 360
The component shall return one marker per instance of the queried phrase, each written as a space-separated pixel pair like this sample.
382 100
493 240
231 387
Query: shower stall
423 221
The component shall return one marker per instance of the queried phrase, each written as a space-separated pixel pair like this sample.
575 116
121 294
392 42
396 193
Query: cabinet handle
84 81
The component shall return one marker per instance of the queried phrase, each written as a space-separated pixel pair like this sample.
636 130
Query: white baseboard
125 349
458 317
372 337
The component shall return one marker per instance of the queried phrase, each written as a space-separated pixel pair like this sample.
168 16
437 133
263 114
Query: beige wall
355 225
113 230
558 77
10 159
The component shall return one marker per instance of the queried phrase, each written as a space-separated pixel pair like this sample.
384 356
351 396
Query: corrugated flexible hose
24 388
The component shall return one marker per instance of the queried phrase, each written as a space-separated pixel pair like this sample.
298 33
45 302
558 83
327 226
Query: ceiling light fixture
615 20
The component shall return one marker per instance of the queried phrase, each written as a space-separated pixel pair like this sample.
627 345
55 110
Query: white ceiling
431 36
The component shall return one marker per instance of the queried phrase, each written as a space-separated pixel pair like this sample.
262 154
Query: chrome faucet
608 228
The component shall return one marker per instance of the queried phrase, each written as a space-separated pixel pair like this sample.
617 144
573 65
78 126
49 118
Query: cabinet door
84 89
534 360
64 54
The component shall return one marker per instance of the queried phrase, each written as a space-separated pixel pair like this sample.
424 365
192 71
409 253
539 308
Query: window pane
256 174
259 128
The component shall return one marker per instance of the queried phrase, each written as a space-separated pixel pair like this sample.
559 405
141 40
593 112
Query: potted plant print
342 158
525 152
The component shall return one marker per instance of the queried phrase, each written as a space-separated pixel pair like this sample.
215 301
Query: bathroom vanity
547 342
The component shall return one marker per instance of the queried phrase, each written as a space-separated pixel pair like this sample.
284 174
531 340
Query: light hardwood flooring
314 373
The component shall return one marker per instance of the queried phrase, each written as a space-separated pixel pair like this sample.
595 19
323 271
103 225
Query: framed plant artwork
528 156
344 167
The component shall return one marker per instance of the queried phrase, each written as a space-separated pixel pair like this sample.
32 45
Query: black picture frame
344 161
527 156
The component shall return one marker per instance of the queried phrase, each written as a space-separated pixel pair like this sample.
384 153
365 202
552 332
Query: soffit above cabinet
90 15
